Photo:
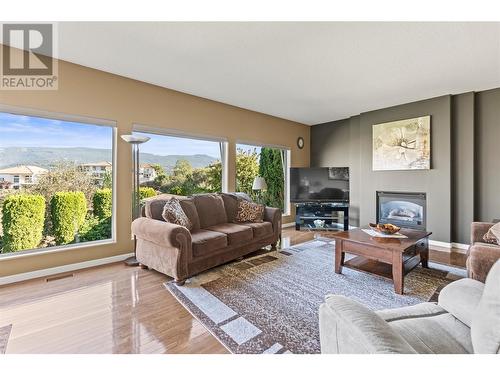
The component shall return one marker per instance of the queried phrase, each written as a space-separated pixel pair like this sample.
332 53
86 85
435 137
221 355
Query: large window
181 165
49 193
271 163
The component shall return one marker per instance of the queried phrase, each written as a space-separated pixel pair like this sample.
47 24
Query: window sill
54 249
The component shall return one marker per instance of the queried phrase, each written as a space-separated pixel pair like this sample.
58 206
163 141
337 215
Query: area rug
269 303
4 338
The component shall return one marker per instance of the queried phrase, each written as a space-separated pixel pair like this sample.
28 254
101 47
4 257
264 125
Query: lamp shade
259 183
135 139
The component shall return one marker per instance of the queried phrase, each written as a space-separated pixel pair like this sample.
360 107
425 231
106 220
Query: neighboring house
22 175
146 173
97 170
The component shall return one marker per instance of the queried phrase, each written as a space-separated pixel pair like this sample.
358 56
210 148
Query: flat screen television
319 185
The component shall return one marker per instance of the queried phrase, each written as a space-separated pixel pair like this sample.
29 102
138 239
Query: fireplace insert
406 210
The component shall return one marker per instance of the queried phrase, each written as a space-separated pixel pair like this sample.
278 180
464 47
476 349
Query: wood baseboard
62 269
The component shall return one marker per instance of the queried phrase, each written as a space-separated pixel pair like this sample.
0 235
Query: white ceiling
306 72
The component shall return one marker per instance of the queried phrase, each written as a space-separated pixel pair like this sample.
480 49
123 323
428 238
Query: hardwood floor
114 309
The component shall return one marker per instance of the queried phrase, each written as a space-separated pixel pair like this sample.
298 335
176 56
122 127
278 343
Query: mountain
45 157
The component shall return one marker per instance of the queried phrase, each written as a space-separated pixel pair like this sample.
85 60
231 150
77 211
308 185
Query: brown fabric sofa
481 255
214 239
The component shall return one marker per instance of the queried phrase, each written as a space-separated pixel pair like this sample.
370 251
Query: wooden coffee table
403 254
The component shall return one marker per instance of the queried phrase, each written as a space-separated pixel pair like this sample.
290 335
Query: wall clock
300 142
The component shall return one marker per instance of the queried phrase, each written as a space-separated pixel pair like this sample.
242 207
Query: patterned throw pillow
173 213
249 212
493 235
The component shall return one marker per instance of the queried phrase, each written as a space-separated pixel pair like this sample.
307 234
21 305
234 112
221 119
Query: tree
107 180
214 177
186 180
22 221
68 210
271 168
64 176
161 177
247 168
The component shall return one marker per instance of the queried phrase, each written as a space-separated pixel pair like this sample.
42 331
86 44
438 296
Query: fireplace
406 210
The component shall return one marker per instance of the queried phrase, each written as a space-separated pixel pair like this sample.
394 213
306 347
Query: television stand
307 212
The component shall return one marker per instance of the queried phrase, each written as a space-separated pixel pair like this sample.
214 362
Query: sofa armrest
347 326
461 298
481 258
478 230
161 233
273 215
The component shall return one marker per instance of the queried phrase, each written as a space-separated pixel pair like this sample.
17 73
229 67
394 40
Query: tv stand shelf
307 212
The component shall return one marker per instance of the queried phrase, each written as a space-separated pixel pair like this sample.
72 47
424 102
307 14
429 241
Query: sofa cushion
231 206
434 334
153 207
485 329
346 326
236 234
493 235
210 208
249 212
189 209
205 242
260 230
173 213
461 299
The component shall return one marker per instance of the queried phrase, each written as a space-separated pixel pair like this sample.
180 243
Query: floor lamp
135 141
259 185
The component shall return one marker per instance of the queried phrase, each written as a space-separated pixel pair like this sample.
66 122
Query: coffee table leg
339 255
424 255
397 272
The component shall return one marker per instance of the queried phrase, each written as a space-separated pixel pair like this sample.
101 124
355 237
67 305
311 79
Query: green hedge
146 192
103 203
95 229
22 221
68 210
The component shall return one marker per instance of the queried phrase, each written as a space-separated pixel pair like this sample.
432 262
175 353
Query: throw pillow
173 213
493 235
249 212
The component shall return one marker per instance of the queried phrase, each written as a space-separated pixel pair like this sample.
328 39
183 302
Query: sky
29 131
166 145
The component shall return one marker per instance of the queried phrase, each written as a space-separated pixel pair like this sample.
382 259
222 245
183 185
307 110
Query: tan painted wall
88 92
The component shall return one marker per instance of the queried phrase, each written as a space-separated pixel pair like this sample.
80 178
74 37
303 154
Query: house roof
24 169
98 164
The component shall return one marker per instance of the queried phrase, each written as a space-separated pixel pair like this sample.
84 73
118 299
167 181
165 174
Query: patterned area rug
269 303
4 338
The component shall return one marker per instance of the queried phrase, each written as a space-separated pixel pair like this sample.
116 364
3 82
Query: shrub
94 229
22 221
271 168
103 202
146 192
67 210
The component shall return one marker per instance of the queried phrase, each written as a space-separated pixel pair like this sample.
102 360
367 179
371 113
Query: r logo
36 42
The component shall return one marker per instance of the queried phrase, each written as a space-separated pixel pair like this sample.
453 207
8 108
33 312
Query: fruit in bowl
385 228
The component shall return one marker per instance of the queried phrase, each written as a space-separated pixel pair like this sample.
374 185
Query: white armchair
466 319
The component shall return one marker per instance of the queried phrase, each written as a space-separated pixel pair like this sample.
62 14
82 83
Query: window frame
141 128
24 111
287 211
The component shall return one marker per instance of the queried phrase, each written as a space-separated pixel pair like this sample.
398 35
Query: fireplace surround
404 209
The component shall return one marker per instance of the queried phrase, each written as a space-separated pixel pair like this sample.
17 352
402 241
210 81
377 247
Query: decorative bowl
385 228
319 223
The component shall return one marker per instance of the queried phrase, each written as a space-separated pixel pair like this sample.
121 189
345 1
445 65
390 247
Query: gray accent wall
487 146
460 186
462 161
